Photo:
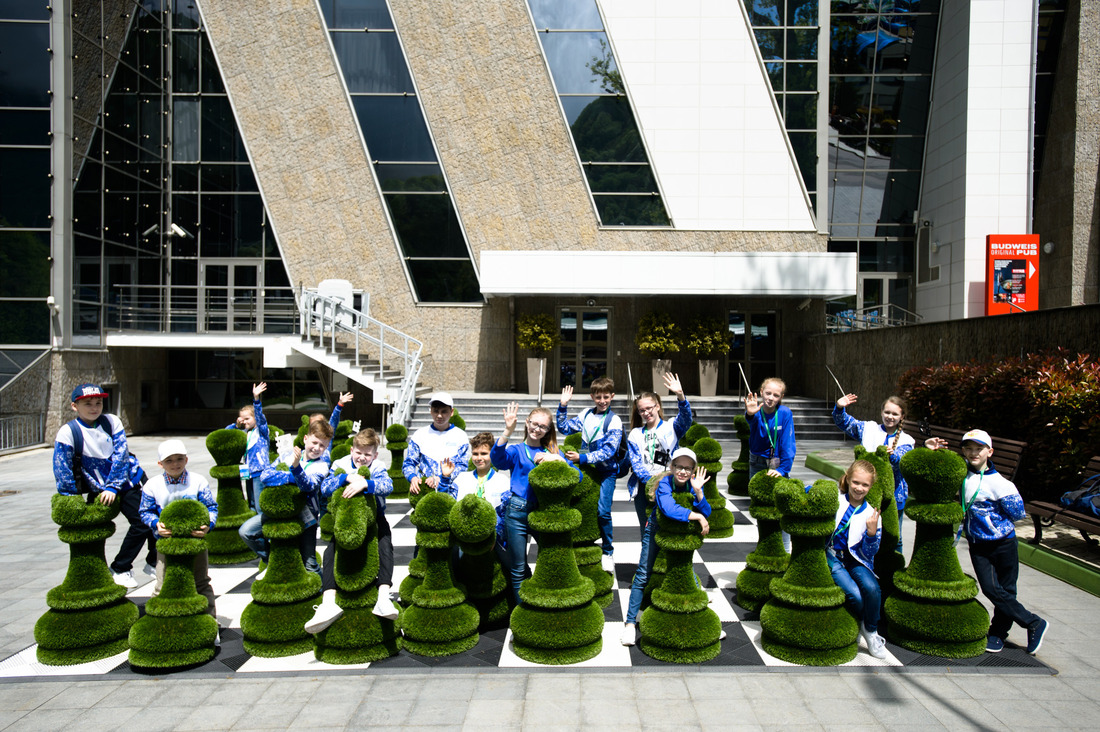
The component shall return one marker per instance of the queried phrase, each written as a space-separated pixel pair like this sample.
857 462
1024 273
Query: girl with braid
871 435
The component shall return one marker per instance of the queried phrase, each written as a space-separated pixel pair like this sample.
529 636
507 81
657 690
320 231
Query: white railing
22 430
370 340
873 316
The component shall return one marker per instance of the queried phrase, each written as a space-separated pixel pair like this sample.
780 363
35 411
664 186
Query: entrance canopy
778 274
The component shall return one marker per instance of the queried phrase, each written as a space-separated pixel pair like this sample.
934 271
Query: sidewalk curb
814 461
1060 567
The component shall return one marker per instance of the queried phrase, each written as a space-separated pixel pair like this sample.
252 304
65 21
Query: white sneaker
218 639
261 575
630 635
126 579
865 634
327 613
149 570
722 636
384 607
876 644
607 563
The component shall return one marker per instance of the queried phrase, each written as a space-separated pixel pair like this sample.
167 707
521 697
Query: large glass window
200 379
429 235
599 115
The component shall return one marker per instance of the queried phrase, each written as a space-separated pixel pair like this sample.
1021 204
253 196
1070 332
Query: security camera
150 231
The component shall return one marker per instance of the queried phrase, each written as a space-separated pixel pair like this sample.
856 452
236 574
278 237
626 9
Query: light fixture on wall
936 247
1048 248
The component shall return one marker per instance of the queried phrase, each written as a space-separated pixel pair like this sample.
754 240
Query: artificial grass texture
397 437
769 560
224 544
473 524
694 433
888 561
933 609
737 482
709 453
805 621
359 636
89 616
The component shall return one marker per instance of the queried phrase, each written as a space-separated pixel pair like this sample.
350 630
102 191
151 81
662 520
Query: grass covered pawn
397 441
557 622
473 524
178 628
737 482
709 454
805 621
223 543
274 622
769 560
440 622
89 616
586 499
933 609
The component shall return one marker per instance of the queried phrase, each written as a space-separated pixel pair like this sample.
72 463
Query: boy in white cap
91 456
430 445
176 483
992 506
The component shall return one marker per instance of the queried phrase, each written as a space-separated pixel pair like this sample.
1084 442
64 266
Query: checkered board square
717 563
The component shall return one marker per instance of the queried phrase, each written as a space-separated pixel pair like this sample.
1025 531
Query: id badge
773 463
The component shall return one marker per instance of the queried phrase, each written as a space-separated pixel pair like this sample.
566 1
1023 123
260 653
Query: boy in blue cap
90 456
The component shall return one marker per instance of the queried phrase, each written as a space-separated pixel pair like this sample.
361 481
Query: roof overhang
776 274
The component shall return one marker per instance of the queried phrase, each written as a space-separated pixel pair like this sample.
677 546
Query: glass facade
593 98
432 243
787 33
25 173
169 227
1052 14
208 379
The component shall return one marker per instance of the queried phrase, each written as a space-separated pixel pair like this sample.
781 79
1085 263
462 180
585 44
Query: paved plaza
32 561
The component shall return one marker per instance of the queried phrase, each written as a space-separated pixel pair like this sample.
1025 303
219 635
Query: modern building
187 184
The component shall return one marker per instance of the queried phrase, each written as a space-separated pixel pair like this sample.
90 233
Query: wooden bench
1044 513
1006 453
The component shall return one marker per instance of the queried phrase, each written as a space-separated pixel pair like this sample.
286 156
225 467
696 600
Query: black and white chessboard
717 563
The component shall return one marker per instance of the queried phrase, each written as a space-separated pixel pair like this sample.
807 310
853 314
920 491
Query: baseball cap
85 391
685 452
979 436
171 447
442 397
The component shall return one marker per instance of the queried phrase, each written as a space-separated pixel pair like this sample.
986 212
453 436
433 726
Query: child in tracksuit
484 481
992 506
108 472
176 483
602 431
251 420
429 445
851 553
345 477
652 441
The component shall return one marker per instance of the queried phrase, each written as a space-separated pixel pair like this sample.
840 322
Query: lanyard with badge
967 504
839 530
482 480
772 433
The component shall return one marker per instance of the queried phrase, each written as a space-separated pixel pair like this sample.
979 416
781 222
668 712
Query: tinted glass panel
765 12
24 65
24 322
427 177
394 128
185 62
23 10
577 63
631 210
775 75
804 145
445 281
24 187
220 140
801 111
426 225
185 14
24 127
230 177
372 63
802 77
24 264
620 178
356 14
604 129
770 43
185 128
802 44
802 12
566 14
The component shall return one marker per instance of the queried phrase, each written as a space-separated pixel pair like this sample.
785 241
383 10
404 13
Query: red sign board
1011 273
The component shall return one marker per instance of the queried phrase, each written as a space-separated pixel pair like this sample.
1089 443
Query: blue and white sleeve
683 419
63 469
149 512
120 463
567 426
410 467
846 423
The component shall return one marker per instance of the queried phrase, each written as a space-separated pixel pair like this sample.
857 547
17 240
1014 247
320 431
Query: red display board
1011 273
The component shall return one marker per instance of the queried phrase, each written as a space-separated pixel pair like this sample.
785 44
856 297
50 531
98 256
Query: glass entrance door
879 291
584 353
755 349
229 299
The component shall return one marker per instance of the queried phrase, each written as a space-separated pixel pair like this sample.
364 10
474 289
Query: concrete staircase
484 413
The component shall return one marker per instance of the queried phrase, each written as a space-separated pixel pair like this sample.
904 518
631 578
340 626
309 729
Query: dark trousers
385 558
996 566
136 535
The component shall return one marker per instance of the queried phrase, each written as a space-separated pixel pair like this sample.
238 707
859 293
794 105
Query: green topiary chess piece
274 622
358 636
397 441
224 544
888 561
439 622
769 560
694 433
89 616
178 628
586 500
557 622
737 482
933 608
805 621
709 454
473 523
678 627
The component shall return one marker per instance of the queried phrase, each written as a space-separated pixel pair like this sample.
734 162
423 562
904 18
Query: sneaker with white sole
722 636
384 607
1035 635
262 574
327 613
149 569
126 579
630 635
876 644
607 562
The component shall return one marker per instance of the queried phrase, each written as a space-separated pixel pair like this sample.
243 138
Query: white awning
777 274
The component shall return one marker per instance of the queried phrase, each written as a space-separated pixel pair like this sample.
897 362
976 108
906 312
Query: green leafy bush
537 332
658 335
708 337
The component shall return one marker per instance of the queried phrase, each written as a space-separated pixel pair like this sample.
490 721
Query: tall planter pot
708 377
535 368
660 366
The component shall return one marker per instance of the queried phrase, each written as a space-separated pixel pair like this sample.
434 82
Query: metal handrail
331 316
870 316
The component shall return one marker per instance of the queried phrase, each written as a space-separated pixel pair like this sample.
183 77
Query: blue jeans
515 540
646 559
603 513
251 532
861 590
641 508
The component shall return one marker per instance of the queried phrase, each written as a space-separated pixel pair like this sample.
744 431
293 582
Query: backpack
619 463
1086 499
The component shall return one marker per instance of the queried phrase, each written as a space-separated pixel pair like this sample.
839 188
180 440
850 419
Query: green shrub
537 332
657 335
708 337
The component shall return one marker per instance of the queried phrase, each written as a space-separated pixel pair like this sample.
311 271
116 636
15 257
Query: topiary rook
224 543
769 560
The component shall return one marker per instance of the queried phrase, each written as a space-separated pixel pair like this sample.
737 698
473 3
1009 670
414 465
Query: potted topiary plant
538 333
708 339
657 336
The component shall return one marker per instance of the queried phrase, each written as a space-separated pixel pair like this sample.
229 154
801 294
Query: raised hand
566 395
699 479
258 389
752 404
511 415
345 397
672 383
872 523
846 400
297 456
446 467
935 443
